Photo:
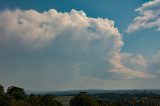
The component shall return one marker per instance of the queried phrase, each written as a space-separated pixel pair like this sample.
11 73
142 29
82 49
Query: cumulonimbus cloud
149 17
34 28
73 44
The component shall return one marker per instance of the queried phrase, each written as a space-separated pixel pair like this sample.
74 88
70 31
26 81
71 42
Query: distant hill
95 91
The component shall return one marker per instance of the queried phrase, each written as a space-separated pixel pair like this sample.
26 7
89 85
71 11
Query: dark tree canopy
15 96
82 99
49 100
16 92
1 89
11 90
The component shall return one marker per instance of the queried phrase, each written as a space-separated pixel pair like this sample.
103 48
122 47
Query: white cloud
133 60
149 17
153 65
34 28
131 66
74 47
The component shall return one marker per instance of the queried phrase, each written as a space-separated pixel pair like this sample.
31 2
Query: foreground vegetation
15 96
83 99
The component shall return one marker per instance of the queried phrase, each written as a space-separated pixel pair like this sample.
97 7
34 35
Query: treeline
15 96
84 99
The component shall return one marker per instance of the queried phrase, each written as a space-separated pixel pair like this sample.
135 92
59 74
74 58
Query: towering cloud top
63 48
34 28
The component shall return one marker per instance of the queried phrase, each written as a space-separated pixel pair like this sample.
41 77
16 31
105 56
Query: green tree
35 100
14 89
16 96
6 100
16 92
49 100
1 89
82 99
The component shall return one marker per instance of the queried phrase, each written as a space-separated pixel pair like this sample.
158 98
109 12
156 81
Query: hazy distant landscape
150 97
15 96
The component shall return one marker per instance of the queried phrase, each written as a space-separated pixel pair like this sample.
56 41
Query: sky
77 44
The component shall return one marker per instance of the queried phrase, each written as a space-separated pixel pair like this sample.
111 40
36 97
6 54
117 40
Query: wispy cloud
149 17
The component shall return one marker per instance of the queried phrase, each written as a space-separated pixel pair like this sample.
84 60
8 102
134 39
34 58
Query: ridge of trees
15 96
84 99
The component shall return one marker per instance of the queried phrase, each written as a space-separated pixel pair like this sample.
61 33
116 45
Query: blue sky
104 44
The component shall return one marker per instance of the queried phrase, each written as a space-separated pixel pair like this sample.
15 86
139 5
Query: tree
6 100
49 100
16 92
1 89
35 100
82 99
14 89
16 96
